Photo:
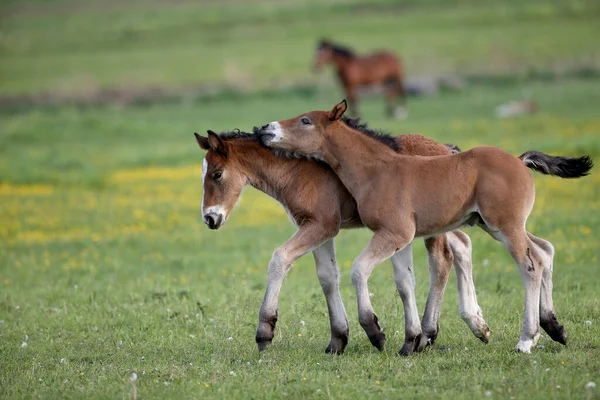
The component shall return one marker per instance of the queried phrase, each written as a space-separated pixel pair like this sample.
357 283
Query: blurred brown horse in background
381 67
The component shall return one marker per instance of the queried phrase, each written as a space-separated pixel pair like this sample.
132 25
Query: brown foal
401 197
319 205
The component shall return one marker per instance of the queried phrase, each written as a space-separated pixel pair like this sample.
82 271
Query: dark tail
565 167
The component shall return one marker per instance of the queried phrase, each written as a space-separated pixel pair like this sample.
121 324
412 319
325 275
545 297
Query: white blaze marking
204 170
275 129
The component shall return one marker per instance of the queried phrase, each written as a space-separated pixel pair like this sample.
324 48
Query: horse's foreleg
397 90
381 247
352 99
329 277
470 312
404 276
304 240
440 261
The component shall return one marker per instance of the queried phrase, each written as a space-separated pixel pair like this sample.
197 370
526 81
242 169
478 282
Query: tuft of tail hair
564 167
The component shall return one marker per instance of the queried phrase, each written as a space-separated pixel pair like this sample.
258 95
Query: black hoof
410 346
262 345
337 344
555 330
378 340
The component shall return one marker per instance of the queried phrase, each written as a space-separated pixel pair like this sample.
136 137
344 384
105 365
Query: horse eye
305 121
217 176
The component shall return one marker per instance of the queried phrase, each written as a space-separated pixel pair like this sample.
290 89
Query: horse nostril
209 220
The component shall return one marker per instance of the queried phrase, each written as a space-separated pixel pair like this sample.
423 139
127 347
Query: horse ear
202 141
338 110
216 143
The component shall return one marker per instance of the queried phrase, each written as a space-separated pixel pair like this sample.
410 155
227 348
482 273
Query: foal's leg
440 261
531 266
404 276
548 319
303 241
463 264
329 277
381 247
352 99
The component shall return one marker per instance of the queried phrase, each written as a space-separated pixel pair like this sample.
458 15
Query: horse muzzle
213 220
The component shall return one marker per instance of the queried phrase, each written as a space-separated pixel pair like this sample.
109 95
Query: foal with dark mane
400 198
354 71
319 205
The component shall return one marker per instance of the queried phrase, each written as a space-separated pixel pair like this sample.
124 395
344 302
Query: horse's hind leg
395 90
440 261
531 266
329 277
470 311
402 263
548 319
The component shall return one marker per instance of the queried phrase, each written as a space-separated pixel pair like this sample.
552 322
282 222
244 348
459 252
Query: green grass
106 268
105 262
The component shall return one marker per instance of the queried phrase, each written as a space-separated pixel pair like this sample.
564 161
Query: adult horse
319 205
401 197
354 71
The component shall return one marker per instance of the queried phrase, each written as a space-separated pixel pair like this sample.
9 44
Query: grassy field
106 269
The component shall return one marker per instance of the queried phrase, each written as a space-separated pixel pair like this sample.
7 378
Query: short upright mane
383 137
338 49
237 134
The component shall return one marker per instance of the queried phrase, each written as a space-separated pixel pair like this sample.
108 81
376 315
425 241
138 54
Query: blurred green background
106 268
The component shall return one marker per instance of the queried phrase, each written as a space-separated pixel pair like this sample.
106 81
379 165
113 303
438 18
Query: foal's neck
264 170
355 157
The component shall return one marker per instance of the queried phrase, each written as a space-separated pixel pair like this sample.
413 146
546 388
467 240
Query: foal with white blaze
402 197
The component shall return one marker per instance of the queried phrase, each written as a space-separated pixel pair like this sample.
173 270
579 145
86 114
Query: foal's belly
428 227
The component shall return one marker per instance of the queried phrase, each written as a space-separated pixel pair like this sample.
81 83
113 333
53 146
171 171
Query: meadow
106 268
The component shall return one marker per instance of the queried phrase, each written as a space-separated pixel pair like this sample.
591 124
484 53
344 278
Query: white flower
547 369
197 315
143 359
26 337
133 377
488 393
24 345
166 383
211 320
62 360
371 294
248 363
232 373
66 381
17 307
588 323
230 338
95 329
1 322
590 385
302 323
558 386
260 360
192 336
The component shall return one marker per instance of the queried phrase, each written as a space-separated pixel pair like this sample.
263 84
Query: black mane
237 134
337 49
383 137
